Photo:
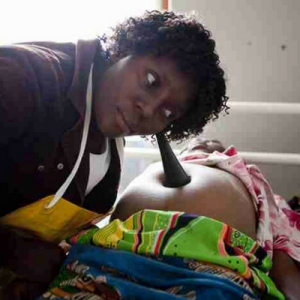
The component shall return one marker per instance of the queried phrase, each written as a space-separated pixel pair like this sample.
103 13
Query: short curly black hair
183 39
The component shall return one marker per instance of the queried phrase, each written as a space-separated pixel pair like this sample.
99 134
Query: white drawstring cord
87 119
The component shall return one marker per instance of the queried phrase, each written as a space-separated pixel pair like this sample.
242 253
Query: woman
65 109
225 188
219 237
205 240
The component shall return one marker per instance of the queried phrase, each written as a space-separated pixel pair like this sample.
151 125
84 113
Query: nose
147 108
151 104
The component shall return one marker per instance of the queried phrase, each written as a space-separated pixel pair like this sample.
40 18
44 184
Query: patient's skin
212 192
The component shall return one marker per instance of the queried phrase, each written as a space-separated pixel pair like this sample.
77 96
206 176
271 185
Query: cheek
104 107
126 80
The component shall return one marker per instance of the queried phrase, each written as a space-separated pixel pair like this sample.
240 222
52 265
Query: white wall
258 42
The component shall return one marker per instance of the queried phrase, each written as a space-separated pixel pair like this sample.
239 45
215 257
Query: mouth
123 124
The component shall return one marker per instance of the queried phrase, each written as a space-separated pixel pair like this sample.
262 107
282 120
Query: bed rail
250 157
265 108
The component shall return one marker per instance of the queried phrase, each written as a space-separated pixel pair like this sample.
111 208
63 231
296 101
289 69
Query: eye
151 79
168 113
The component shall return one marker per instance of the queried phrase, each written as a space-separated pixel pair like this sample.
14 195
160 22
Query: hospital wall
258 42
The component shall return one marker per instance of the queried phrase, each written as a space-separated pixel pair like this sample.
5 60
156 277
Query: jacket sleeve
33 80
16 95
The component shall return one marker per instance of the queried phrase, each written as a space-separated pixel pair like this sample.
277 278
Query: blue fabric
139 277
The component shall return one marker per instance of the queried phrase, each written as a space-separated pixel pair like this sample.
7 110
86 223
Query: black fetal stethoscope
175 175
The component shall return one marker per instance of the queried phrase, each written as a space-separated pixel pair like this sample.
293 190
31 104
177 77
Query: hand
285 274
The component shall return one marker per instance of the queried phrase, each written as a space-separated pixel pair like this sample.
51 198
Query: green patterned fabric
160 233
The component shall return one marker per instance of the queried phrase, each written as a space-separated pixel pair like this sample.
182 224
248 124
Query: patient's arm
212 192
286 275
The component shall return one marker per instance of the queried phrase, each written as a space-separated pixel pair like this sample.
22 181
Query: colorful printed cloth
169 255
278 224
95 273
